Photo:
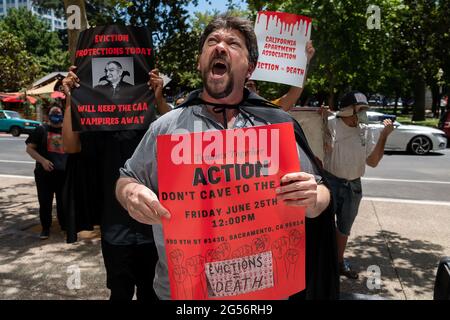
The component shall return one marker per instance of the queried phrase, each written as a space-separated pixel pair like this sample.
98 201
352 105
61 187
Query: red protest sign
229 237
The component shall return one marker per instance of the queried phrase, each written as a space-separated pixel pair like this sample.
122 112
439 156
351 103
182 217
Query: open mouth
219 68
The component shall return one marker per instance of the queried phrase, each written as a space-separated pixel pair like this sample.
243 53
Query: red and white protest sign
228 236
282 39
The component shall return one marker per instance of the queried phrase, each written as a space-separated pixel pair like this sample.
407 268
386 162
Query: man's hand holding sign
141 202
300 189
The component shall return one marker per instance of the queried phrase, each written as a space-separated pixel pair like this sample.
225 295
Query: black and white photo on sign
112 72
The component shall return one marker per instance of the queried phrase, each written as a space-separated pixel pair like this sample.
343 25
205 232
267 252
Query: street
13 158
398 176
403 176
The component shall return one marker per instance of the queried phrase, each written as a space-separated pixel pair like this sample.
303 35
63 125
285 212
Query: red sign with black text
113 63
229 237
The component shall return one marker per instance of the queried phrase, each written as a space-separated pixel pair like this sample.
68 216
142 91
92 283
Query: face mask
346 112
362 117
56 118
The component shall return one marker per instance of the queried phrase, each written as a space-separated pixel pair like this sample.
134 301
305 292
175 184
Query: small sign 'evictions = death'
241 275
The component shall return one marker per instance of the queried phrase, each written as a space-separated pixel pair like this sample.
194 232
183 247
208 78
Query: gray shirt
143 165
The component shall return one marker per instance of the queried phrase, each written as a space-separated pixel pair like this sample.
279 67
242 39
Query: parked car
12 122
375 100
416 139
444 124
391 102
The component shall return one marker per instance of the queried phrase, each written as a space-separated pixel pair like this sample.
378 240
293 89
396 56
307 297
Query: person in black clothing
128 249
114 86
45 146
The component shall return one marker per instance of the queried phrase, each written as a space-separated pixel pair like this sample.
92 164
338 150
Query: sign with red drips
229 237
282 39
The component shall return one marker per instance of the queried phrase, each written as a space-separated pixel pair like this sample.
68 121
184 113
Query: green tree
18 67
414 42
180 53
346 50
396 59
98 12
43 44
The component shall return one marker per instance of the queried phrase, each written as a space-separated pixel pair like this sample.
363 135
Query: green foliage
99 12
177 59
408 47
31 30
18 66
429 122
44 45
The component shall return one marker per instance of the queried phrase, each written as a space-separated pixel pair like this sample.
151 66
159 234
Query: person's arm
156 84
32 151
134 188
71 139
375 156
287 101
300 189
141 203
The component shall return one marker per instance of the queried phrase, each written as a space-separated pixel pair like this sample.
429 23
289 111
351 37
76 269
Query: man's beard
214 94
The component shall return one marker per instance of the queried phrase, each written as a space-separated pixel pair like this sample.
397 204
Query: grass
428 122
406 119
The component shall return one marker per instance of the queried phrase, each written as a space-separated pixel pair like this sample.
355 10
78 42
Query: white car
416 139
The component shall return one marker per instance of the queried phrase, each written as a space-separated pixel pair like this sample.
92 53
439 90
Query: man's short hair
116 63
234 23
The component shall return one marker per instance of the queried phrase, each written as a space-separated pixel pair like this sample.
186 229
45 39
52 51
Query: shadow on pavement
411 277
18 207
31 268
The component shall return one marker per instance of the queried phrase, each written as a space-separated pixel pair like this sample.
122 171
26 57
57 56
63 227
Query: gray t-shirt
143 165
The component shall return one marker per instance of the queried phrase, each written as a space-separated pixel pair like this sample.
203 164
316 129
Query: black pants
49 184
130 266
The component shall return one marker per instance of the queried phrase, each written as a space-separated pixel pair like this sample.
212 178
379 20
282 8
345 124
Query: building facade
48 16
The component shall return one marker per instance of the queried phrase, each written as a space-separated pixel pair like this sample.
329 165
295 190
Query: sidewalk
406 242
35 269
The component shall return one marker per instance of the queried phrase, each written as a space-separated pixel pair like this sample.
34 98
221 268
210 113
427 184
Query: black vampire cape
321 269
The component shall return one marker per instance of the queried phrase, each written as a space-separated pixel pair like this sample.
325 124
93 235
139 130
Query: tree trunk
331 94
74 33
419 103
396 103
436 99
331 101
